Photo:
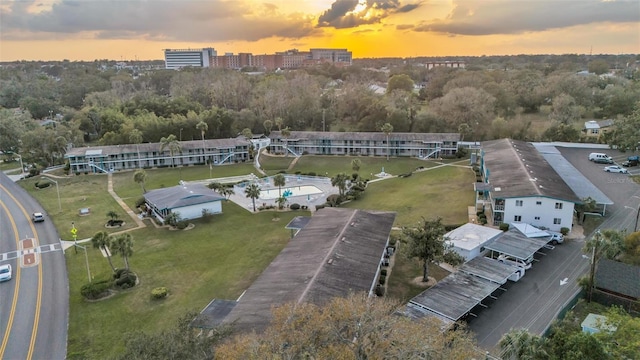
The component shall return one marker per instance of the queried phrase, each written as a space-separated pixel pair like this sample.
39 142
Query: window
518 202
517 218
538 202
557 221
559 206
537 217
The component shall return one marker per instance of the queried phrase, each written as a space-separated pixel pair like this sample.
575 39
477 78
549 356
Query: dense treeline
545 99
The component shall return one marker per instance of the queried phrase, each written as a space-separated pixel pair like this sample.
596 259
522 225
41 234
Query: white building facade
175 59
541 212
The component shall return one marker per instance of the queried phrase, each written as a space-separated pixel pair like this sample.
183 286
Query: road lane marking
14 302
36 318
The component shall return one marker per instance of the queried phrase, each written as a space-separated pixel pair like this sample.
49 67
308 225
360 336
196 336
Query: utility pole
323 110
592 274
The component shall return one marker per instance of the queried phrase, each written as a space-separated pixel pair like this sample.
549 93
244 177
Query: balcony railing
498 207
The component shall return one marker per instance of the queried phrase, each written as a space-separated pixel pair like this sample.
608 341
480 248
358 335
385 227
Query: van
600 158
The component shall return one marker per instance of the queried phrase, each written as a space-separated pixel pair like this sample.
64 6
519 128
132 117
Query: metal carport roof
455 295
517 245
488 269
580 185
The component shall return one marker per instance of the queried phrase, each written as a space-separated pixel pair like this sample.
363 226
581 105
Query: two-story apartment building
148 155
420 145
521 186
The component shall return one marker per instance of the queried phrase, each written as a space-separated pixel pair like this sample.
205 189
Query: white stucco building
188 200
519 185
469 239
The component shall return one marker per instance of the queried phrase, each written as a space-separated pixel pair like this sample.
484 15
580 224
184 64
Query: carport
452 298
580 185
513 243
488 269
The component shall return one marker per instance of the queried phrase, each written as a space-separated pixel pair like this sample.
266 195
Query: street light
181 133
635 227
57 190
21 164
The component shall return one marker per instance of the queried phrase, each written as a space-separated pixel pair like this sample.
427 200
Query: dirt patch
418 282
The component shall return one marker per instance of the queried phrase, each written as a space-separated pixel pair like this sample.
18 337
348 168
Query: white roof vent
497 189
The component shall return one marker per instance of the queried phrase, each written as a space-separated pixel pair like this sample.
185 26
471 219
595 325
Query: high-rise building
179 58
334 56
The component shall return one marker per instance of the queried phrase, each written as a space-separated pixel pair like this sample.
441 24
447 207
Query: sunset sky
140 29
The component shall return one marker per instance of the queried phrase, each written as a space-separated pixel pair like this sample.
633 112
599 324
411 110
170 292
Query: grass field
224 254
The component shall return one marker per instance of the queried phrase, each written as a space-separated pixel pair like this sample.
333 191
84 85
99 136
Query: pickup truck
631 161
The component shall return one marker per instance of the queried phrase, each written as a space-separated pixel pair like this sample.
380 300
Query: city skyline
136 29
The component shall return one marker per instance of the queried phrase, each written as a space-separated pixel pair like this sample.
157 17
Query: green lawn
444 192
224 254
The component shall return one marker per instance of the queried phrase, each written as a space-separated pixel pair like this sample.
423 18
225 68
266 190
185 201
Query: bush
304 207
383 272
43 185
564 230
334 200
126 281
504 226
159 293
96 290
321 206
479 213
379 290
140 202
483 220
115 222
294 206
311 173
181 225
382 280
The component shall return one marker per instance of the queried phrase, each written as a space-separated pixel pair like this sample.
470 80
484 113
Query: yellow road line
14 303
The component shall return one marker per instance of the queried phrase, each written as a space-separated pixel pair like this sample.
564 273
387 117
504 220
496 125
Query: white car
37 217
616 169
5 272
515 262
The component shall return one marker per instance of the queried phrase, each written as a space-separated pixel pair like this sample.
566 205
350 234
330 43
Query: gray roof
455 295
181 195
377 136
516 244
151 147
298 222
617 277
488 269
338 252
212 315
518 170
581 186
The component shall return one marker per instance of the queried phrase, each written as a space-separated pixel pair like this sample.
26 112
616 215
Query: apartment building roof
375 136
181 195
151 147
517 169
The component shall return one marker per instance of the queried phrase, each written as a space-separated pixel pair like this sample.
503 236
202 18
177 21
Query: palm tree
123 246
140 176
387 129
226 192
279 122
102 240
279 181
135 136
253 191
113 215
203 127
521 345
268 125
355 164
606 243
286 132
340 181
281 201
170 142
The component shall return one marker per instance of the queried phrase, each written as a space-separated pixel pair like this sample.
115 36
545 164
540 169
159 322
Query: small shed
188 200
469 239
594 323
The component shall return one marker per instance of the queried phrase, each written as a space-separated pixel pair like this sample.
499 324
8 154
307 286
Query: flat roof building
178 58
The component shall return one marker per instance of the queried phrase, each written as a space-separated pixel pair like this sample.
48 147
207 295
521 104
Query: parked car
600 158
616 169
37 217
5 272
556 238
515 262
631 161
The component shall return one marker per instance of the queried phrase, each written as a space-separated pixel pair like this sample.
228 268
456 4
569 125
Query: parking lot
534 301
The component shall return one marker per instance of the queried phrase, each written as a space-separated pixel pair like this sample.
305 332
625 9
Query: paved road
34 304
534 301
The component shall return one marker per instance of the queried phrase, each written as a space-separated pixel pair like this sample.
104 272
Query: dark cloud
338 10
177 20
489 17
341 14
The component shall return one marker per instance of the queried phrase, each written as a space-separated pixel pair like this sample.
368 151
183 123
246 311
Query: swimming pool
291 191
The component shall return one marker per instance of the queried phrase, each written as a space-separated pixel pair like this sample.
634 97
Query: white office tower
178 58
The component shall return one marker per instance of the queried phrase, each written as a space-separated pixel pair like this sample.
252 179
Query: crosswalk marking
42 249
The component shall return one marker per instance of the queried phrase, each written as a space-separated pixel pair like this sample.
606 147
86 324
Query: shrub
479 213
379 290
334 200
504 226
115 222
321 206
304 207
140 202
182 224
43 185
382 280
294 206
383 272
127 280
311 173
159 293
450 227
564 230
282 172
96 290
483 220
